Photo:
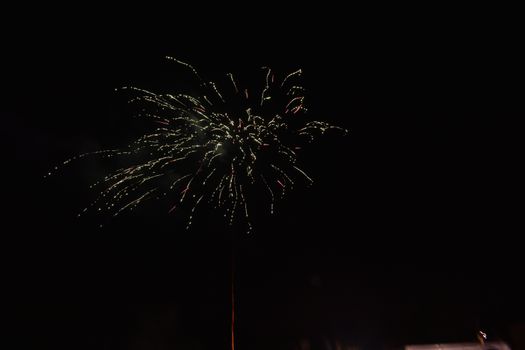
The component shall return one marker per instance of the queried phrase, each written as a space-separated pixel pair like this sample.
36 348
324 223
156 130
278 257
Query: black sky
410 233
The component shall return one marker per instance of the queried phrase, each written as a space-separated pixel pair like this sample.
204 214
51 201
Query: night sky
410 233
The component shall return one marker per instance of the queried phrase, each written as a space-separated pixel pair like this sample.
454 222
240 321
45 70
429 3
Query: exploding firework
215 146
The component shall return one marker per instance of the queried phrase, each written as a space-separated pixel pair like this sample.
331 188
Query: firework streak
216 146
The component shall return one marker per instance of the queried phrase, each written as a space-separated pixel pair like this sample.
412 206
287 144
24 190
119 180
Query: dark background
409 235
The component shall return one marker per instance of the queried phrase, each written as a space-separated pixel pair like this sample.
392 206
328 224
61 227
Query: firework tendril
215 146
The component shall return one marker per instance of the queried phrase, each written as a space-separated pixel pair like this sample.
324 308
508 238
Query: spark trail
215 146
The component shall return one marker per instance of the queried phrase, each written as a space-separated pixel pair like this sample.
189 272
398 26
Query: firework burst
215 146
